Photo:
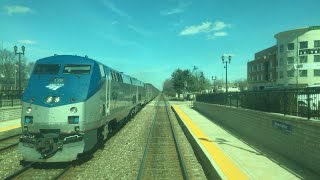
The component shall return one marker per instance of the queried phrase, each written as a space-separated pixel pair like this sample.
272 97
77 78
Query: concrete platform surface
9 128
252 163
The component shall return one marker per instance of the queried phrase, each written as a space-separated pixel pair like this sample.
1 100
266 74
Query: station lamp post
226 66
19 53
214 83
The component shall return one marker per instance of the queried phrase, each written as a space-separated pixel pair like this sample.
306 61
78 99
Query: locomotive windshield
76 69
46 69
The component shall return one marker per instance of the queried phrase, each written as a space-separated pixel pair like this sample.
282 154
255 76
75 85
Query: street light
15 76
226 66
214 83
19 53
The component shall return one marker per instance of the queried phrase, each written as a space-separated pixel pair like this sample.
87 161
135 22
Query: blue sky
150 39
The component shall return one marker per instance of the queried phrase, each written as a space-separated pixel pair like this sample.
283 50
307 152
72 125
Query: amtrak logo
54 86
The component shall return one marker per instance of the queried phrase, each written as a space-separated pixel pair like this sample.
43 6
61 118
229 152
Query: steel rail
181 161
3 139
62 172
177 148
10 144
19 171
148 142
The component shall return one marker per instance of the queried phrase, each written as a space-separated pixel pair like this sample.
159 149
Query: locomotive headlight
49 99
73 110
56 99
28 110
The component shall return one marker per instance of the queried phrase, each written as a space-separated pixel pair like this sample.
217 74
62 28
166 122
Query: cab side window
102 73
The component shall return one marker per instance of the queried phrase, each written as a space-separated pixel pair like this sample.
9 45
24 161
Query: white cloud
26 41
114 8
114 22
221 33
139 30
195 29
182 7
168 12
219 25
17 10
217 34
206 28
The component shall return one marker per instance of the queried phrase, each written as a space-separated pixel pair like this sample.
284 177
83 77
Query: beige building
298 57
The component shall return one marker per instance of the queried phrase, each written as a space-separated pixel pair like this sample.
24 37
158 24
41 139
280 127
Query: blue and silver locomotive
73 102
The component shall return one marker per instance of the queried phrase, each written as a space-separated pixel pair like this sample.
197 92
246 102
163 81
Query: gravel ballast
121 156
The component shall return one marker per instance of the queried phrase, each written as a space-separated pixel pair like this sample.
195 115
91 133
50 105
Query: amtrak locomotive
73 102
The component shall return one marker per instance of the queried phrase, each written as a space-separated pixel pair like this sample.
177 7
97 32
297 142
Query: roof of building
299 30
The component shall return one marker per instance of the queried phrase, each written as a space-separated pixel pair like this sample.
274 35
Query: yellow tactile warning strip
227 166
2 129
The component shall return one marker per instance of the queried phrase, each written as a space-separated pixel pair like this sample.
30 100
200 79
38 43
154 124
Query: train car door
108 91
105 103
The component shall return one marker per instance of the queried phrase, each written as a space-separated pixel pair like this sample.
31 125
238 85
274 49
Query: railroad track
162 156
9 142
32 171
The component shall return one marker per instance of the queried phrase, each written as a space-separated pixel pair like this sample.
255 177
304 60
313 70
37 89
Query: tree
220 83
185 80
180 79
242 83
9 68
168 88
199 81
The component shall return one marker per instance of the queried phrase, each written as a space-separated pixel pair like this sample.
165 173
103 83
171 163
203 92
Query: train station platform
225 156
9 128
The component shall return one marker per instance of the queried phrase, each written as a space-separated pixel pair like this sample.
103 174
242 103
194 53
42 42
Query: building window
261 77
303 73
270 76
281 74
303 44
317 43
261 66
281 48
303 59
280 61
290 73
316 72
290 60
270 64
316 58
290 46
